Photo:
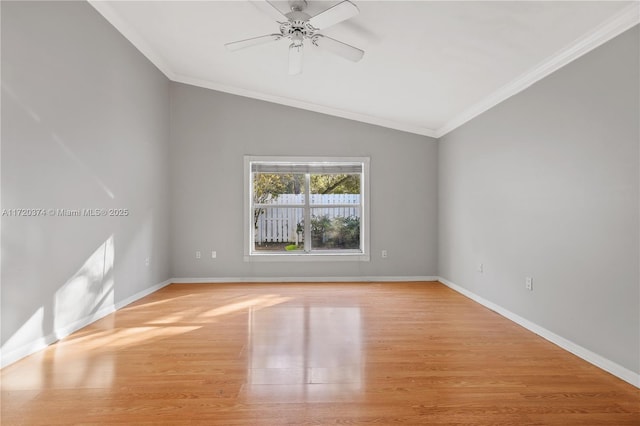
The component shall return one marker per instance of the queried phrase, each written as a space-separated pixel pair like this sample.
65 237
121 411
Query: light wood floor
276 354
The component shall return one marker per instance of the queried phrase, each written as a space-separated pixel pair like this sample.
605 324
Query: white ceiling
428 67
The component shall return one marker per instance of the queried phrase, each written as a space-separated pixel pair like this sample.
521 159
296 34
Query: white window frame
362 255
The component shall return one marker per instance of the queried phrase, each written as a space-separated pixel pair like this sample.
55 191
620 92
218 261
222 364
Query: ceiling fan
298 26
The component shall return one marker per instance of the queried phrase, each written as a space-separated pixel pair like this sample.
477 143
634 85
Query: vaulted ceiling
428 66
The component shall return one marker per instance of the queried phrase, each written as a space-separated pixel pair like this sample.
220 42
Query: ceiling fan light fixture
295 59
297 38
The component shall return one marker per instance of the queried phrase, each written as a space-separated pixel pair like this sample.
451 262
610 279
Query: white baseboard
8 358
217 280
591 357
139 295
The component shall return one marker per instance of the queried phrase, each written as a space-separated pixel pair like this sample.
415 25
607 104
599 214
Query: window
306 208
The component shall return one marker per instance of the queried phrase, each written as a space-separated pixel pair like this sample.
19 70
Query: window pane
299 206
278 229
333 184
278 188
335 228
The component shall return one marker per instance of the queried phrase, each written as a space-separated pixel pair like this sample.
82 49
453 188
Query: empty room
320 212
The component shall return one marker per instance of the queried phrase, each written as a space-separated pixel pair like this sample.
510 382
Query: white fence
279 224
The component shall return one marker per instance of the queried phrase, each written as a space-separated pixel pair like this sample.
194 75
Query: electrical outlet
198 254
528 283
214 254
480 267
384 254
147 261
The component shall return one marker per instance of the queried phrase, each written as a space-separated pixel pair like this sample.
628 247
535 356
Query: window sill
316 257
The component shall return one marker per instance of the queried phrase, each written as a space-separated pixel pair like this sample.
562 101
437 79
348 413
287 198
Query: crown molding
616 25
132 36
309 106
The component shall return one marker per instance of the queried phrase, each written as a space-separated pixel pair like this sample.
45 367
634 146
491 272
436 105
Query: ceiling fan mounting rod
298 5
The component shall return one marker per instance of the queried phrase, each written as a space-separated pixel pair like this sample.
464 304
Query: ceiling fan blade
269 9
335 14
237 45
295 59
339 48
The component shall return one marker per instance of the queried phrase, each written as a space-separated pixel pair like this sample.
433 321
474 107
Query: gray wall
212 131
546 185
84 125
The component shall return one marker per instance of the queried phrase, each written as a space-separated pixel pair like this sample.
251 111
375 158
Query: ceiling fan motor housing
297 28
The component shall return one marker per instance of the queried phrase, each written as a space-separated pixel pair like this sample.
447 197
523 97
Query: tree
335 184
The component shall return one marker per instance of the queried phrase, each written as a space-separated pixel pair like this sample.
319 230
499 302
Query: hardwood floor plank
310 353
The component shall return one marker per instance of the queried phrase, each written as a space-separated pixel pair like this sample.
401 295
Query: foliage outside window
306 207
